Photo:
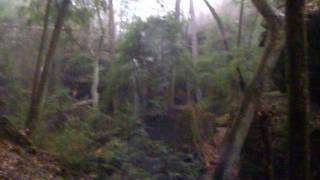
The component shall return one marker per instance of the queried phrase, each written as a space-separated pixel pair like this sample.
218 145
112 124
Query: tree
37 106
240 23
194 42
177 10
36 75
111 29
172 88
193 29
96 68
220 25
253 28
250 102
298 91
111 39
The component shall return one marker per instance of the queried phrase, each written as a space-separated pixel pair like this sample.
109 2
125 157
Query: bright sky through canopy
145 8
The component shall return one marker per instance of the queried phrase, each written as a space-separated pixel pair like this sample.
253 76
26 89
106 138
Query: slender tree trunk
242 83
111 39
111 29
136 98
95 83
249 104
251 99
253 29
172 88
178 10
36 74
297 85
193 29
48 61
220 25
96 66
240 24
194 43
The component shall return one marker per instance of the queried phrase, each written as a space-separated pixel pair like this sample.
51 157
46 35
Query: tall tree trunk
253 29
194 43
111 39
111 29
251 99
136 98
96 67
178 10
220 25
36 74
172 88
95 82
37 107
297 86
240 24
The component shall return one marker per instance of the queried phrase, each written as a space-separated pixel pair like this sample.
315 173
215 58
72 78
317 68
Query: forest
160 89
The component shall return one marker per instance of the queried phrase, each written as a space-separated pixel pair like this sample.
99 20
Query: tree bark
111 39
220 25
136 98
96 66
240 23
172 88
253 29
111 29
194 43
178 10
298 91
193 28
31 125
242 83
251 99
37 71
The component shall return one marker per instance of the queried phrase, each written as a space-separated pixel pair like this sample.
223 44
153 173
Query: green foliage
220 69
70 144
149 55
14 101
79 13
148 52
78 68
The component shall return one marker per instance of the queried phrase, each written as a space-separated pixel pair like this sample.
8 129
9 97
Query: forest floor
17 164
